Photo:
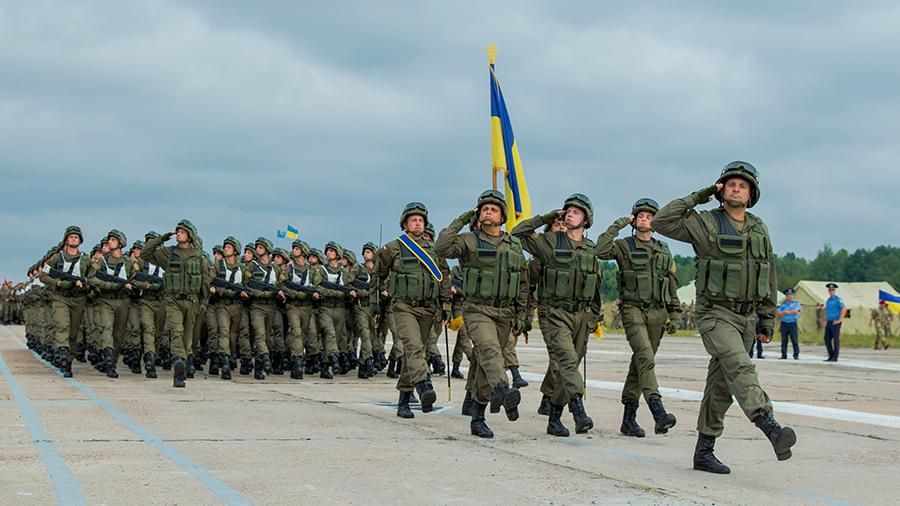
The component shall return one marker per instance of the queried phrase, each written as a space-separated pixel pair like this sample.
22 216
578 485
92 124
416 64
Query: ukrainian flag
505 158
291 232
892 301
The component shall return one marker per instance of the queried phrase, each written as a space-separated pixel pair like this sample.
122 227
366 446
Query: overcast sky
248 116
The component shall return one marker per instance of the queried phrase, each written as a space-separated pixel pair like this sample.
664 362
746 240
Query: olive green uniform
495 286
882 318
363 306
67 302
300 315
735 284
186 284
569 302
332 316
416 297
647 294
113 299
229 309
262 305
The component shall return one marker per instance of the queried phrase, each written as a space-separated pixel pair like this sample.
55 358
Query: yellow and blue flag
279 234
291 232
505 158
892 301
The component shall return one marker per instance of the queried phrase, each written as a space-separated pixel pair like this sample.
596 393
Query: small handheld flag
292 232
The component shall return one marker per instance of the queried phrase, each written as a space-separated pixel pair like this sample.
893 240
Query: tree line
878 264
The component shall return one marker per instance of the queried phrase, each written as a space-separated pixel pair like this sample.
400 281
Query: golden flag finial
492 51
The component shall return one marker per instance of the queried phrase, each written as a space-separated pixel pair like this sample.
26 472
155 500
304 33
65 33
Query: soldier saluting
735 284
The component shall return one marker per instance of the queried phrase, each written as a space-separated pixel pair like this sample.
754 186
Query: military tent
859 298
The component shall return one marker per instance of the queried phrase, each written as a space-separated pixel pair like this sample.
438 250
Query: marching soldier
131 346
735 285
362 279
882 318
569 302
378 338
647 302
262 306
495 284
67 298
279 346
186 283
410 277
299 308
332 317
151 311
110 277
229 308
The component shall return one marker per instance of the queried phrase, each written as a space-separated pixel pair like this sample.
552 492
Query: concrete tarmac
93 440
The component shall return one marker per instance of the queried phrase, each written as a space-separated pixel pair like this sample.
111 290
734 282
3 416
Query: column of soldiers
266 310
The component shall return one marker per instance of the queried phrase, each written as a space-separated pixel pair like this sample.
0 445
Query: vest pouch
762 280
639 258
758 245
732 244
514 280
715 277
664 290
413 287
564 282
702 275
629 284
590 286
470 282
487 285
548 283
733 277
644 286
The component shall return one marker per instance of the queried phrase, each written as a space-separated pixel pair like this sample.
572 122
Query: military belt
571 306
416 303
497 303
743 308
645 306
184 296
114 295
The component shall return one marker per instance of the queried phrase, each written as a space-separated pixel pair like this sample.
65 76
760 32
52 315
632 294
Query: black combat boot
297 368
371 370
704 459
362 371
351 361
325 369
583 422
226 367
245 366
437 365
309 364
93 355
478 426
180 372
191 368
455 372
265 363
79 352
382 361
468 406
544 408
393 368
259 369
277 363
285 361
403 410
630 426
214 364
166 356
109 363
135 365
782 438
316 363
65 362
335 363
198 360
507 397
518 382
427 395
664 420
343 365
150 364
554 425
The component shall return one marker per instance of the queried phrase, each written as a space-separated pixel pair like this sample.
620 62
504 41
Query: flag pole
492 54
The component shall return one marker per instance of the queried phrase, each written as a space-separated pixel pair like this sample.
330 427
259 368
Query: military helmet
234 244
336 247
429 229
153 234
581 201
283 254
73 229
493 197
96 249
118 234
265 244
313 252
350 256
302 245
139 244
744 171
218 249
370 246
645 204
250 246
411 209
189 227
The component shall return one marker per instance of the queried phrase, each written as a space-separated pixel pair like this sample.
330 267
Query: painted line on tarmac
822 499
218 487
837 414
67 489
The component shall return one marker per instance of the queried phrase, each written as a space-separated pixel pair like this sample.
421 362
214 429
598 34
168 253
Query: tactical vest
644 276
265 273
493 276
334 277
73 267
738 269
119 270
300 276
410 281
183 277
235 275
573 276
